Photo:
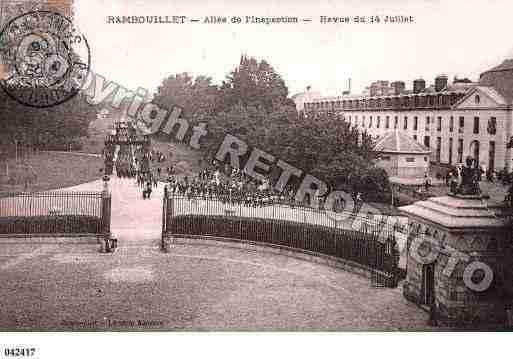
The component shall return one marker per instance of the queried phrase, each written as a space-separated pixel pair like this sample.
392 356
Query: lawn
50 171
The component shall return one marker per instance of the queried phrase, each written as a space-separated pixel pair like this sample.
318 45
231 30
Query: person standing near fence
427 182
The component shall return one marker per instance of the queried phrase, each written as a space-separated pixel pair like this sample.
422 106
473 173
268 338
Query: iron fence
54 213
367 242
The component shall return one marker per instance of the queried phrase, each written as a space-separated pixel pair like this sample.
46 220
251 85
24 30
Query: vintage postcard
255 166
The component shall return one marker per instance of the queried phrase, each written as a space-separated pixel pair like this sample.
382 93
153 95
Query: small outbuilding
401 156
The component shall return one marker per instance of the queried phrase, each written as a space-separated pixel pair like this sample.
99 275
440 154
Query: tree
253 105
256 84
54 126
197 97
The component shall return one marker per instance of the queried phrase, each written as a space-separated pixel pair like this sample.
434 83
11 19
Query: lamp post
108 243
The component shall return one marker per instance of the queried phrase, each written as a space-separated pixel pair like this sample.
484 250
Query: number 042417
19 352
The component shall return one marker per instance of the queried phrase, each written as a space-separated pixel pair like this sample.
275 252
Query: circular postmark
45 61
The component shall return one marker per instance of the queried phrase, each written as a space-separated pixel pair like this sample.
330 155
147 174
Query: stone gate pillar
459 261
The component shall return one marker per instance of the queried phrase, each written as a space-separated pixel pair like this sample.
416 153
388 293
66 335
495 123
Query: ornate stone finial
106 180
469 185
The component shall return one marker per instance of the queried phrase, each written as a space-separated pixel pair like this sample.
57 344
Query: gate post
106 201
464 230
167 210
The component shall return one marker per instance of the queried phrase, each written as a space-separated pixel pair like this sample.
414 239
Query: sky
453 37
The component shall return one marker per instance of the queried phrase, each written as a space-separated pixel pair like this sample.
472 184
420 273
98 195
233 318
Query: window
439 123
405 122
451 123
476 125
415 123
378 120
410 159
474 150
438 149
387 122
415 137
396 121
491 156
492 126
460 150
477 99
370 121
462 121
425 159
426 141
427 123
450 151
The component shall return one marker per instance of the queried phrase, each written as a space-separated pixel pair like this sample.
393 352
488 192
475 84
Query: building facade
460 120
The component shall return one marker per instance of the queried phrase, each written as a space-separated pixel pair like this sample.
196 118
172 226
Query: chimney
398 86
419 85
440 82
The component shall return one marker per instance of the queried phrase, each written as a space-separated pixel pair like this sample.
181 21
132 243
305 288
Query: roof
406 93
506 65
493 94
501 78
398 142
488 91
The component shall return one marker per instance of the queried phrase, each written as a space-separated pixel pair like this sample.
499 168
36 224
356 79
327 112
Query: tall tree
197 97
256 84
58 125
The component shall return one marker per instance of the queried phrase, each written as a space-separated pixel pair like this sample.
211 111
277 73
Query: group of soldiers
125 167
234 188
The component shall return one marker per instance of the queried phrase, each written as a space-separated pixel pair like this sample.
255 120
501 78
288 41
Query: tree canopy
253 104
53 126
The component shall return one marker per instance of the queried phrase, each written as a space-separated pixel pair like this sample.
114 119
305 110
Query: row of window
491 128
474 150
387 102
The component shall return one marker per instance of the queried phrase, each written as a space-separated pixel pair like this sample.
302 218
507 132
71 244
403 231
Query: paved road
135 221
51 287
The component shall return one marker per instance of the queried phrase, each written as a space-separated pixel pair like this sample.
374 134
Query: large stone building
452 120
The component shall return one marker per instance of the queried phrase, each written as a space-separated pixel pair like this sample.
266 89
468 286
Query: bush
62 224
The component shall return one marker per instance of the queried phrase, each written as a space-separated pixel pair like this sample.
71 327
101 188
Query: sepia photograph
198 169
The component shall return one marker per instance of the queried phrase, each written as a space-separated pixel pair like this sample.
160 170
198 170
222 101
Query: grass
51 171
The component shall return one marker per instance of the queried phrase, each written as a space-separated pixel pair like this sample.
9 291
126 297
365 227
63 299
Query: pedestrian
427 182
358 202
148 190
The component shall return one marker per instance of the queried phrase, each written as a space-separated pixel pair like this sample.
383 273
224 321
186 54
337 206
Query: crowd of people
223 183
233 187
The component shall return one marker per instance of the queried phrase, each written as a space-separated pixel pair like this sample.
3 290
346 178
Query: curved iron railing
368 243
